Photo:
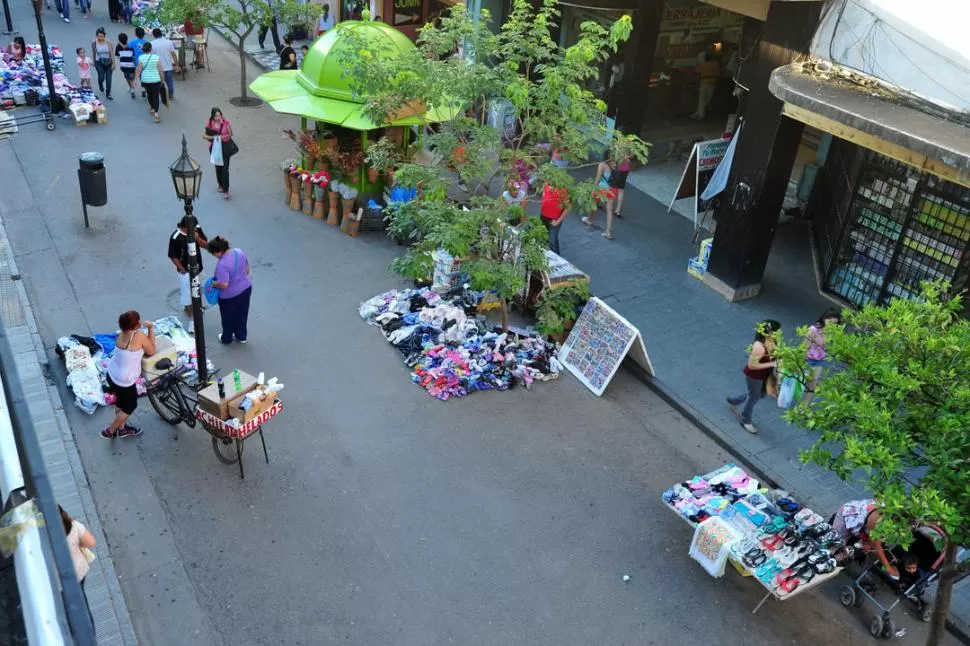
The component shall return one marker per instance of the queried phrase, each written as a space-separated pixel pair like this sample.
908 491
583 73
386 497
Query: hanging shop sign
407 12
704 160
597 344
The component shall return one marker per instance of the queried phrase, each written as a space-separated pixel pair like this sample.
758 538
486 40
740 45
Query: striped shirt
149 69
126 57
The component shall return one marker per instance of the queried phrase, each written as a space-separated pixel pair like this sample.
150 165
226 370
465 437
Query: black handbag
230 148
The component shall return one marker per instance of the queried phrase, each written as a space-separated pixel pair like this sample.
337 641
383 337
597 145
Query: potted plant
319 180
296 184
349 163
383 155
288 166
307 145
306 178
333 215
349 195
559 307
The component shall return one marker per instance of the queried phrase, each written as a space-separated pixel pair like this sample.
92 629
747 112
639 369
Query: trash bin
94 187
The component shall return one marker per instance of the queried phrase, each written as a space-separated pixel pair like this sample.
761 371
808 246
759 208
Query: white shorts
185 289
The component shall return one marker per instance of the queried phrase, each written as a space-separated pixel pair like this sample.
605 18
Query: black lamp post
42 39
187 177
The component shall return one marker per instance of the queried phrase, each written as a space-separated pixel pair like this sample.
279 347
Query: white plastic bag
790 392
216 155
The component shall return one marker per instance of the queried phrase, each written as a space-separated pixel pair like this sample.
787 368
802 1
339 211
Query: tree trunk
944 593
505 315
242 70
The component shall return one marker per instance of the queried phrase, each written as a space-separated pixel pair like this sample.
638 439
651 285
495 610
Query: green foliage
897 409
384 154
560 306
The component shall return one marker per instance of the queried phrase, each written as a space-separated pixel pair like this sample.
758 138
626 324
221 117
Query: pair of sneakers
125 431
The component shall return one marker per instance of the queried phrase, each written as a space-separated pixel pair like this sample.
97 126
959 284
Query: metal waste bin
94 187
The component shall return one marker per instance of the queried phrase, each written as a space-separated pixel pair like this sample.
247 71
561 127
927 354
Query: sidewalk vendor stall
319 91
762 533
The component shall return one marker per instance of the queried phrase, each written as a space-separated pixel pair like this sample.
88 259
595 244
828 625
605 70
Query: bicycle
176 400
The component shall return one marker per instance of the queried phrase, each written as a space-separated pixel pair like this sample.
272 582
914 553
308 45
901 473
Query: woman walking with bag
235 287
104 61
757 371
218 132
149 74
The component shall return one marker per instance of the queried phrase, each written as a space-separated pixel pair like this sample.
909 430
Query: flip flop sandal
767 572
789 585
755 560
772 543
825 567
776 525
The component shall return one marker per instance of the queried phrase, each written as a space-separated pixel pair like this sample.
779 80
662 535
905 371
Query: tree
897 409
237 19
462 67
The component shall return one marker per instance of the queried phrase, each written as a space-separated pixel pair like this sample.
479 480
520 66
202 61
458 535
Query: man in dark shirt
178 253
288 54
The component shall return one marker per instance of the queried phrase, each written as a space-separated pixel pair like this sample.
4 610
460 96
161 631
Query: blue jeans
170 83
235 316
85 6
553 235
64 8
756 390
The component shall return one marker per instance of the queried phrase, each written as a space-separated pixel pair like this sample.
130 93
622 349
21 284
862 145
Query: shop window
904 227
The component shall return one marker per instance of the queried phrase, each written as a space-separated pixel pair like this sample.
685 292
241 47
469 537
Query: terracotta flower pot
389 176
373 175
308 198
318 209
295 199
348 207
333 217
286 186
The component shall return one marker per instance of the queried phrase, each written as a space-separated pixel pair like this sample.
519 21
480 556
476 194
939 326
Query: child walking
84 67
126 61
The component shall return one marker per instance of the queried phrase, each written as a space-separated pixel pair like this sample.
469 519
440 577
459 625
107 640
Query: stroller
928 545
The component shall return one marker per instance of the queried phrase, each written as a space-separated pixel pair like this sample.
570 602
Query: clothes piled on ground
87 358
454 351
22 80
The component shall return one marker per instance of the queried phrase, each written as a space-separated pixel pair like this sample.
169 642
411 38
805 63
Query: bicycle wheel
166 403
225 449
190 401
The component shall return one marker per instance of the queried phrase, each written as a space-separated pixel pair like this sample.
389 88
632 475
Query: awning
876 120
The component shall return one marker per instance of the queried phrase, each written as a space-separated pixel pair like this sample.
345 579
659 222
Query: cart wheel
848 596
875 626
926 613
50 124
165 405
888 628
225 449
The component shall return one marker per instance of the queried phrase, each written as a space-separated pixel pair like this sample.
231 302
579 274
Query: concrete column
751 204
638 63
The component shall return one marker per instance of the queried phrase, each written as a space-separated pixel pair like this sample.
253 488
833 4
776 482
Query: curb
956 627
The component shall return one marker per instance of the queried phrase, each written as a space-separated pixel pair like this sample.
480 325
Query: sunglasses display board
763 533
597 344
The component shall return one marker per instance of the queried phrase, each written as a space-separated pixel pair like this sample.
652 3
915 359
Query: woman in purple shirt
235 287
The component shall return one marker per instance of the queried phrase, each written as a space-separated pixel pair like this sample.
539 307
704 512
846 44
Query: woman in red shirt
554 208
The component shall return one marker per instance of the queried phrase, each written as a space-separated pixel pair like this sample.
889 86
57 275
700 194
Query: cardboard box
164 349
209 396
705 251
102 115
695 268
257 407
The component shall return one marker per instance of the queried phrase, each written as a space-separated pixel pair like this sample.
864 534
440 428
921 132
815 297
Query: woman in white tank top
125 368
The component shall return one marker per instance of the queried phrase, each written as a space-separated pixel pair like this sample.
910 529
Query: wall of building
920 46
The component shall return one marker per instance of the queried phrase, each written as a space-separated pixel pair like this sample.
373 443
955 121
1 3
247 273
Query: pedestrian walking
218 131
80 542
759 367
326 22
234 281
816 355
83 67
126 61
150 73
619 178
178 253
137 46
114 10
104 61
165 50
554 208
604 191
288 54
124 369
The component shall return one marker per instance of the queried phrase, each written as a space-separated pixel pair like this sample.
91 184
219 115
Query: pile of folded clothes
454 351
25 82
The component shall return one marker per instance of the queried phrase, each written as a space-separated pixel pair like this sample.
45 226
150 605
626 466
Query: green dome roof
322 71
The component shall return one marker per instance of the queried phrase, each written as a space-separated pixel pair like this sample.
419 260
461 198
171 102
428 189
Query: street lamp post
187 177
49 71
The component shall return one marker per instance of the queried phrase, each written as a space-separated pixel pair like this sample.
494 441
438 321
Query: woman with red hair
125 368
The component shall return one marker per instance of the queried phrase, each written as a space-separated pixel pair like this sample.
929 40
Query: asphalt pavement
384 516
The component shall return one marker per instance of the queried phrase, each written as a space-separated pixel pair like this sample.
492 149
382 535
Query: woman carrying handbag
218 132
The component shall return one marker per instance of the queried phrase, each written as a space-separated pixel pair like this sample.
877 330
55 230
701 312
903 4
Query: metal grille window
904 227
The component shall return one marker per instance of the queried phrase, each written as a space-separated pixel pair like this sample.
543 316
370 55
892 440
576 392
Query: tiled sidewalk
63 463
